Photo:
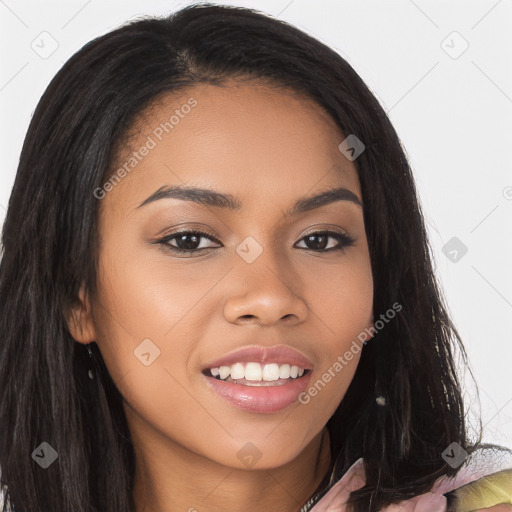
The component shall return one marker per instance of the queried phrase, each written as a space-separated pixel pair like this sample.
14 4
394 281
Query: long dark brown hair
50 247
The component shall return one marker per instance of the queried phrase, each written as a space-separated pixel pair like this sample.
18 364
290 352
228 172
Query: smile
257 389
255 374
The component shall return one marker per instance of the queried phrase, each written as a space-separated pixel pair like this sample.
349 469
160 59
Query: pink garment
433 501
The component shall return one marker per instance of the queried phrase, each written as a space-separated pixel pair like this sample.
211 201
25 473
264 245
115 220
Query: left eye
320 239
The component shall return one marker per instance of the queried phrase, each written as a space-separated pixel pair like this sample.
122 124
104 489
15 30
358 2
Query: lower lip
260 399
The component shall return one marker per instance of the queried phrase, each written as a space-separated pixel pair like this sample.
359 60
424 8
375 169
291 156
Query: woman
216 287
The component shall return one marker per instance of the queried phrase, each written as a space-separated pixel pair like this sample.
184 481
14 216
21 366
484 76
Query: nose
262 294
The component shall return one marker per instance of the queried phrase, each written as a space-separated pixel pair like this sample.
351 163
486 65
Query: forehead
251 140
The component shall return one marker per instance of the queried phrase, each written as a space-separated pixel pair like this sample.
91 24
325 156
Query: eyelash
344 241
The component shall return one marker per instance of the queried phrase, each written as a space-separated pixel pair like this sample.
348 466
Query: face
270 282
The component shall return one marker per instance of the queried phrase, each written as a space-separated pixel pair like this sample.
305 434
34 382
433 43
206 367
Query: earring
90 373
379 397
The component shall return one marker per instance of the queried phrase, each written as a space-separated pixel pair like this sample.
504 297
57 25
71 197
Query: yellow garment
485 492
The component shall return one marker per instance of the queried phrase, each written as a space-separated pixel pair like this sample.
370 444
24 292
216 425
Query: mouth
256 388
256 374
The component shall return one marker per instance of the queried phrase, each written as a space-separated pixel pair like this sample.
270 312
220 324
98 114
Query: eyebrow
210 197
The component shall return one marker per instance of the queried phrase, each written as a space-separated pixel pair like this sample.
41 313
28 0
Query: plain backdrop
442 71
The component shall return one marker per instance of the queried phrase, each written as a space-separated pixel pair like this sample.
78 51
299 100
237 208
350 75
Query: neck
177 479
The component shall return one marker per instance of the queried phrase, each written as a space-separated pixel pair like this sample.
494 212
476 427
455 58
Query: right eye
186 241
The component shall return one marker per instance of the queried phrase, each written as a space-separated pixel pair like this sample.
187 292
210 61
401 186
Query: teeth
237 371
270 372
224 371
255 372
284 371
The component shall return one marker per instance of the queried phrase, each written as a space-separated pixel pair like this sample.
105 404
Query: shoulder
485 492
482 493
484 480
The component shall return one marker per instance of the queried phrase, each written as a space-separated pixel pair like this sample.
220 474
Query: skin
269 148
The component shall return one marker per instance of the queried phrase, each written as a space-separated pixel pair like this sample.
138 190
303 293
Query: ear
80 320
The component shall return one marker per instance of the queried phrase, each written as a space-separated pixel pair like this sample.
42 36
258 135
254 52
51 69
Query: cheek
149 333
141 312
342 300
341 297
147 293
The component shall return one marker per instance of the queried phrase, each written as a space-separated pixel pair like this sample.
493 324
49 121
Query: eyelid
325 229
187 229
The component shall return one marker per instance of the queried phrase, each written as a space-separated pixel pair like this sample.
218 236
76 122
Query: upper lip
280 354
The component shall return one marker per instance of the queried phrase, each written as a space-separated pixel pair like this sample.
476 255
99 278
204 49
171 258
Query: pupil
319 246
190 245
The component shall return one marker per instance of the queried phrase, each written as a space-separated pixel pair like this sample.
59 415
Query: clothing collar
334 478
352 479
